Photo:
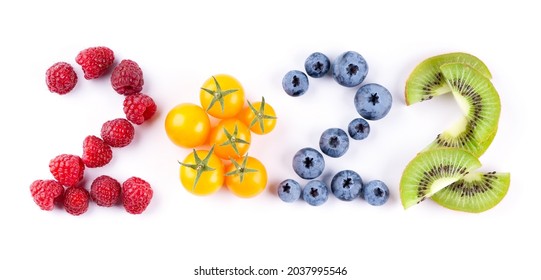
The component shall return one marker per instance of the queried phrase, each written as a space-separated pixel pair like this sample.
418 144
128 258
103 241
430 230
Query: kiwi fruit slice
480 102
476 192
426 80
432 170
474 147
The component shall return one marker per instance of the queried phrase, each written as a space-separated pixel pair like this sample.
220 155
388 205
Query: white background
178 47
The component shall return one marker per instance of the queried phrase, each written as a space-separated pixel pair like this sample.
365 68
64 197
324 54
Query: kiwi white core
472 176
463 103
444 89
457 128
441 183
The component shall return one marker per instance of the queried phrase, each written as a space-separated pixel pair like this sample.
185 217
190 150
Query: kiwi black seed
481 105
427 80
432 170
476 192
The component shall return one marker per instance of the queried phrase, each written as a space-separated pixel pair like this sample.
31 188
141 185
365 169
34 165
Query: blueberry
295 83
315 193
358 129
373 101
289 190
346 185
349 69
308 163
334 142
317 65
375 193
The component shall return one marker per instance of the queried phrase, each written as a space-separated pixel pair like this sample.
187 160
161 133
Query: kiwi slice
480 102
427 80
474 147
476 192
432 170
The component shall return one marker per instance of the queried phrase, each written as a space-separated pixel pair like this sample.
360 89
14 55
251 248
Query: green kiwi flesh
426 80
480 102
432 170
475 193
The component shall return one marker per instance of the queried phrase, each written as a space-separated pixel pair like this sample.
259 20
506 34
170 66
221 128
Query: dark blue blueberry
315 193
346 185
375 193
289 190
373 101
308 163
358 129
295 83
317 65
349 69
334 142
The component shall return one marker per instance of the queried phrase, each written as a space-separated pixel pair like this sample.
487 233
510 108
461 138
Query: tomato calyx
240 169
232 139
200 165
218 95
259 115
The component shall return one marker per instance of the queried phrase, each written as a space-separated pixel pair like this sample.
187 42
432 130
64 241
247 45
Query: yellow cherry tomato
187 125
246 177
222 96
202 172
260 117
231 139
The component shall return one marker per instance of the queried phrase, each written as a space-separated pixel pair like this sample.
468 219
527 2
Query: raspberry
127 78
117 133
136 195
95 61
139 108
46 193
76 200
61 78
68 170
96 153
105 191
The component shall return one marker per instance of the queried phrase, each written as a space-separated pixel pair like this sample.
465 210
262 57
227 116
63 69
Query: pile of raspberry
66 189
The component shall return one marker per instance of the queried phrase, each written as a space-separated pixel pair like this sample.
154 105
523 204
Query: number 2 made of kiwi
445 170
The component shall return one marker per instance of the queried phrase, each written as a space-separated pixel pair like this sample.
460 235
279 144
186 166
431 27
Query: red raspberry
117 133
46 193
105 191
61 78
139 108
95 61
127 77
76 200
68 170
136 195
96 153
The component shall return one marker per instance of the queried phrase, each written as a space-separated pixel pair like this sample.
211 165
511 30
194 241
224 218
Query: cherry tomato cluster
220 149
